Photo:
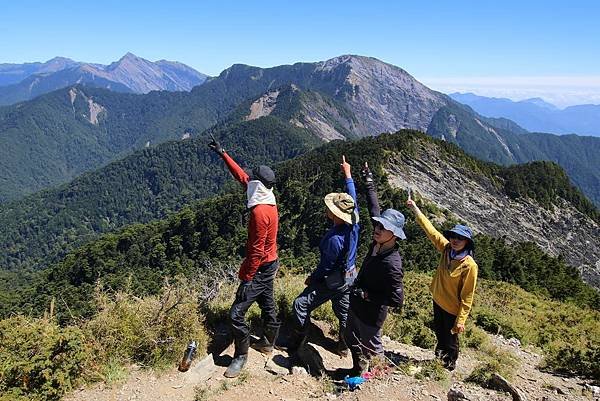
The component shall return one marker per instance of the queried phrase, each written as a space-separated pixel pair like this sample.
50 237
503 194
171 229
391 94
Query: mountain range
19 82
537 115
57 136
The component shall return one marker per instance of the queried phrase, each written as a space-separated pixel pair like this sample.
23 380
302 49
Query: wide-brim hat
392 220
463 231
342 205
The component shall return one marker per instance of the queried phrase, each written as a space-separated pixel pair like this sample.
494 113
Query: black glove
366 174
359 292
216 146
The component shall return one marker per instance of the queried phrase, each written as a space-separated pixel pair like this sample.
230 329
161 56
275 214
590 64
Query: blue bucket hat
393 221
463 231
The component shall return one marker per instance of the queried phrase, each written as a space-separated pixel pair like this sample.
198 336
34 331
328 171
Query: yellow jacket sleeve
467 292
438 240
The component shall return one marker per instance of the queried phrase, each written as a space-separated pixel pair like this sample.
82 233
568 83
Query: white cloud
560 90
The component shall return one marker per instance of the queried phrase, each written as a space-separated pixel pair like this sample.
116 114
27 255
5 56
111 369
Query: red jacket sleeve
237 172
255 247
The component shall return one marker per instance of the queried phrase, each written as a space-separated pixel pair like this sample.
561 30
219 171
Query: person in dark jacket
259 268
378 285
337 266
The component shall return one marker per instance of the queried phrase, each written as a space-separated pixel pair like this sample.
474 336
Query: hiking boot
267 341
263 345
449 365
236 366
342 348
296 340
360 364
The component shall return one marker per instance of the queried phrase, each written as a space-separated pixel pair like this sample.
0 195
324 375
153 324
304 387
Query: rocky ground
272 378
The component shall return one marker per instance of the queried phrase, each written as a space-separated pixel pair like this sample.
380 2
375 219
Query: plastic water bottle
188 356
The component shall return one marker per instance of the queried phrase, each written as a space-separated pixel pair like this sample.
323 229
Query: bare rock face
476 200
384 98
263 106
312 110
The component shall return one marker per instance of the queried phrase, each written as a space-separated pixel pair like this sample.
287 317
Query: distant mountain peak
355 61
58 59
130 56
538 101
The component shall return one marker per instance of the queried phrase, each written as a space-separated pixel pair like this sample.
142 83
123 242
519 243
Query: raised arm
350 188
436 238
353 235
372 201
238 173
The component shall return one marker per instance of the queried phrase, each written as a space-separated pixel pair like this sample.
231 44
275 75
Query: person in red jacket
258 270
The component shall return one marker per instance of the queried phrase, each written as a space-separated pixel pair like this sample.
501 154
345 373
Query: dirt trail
205 380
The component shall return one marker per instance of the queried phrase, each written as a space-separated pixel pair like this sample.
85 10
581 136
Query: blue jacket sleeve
353 234
351 190
331 250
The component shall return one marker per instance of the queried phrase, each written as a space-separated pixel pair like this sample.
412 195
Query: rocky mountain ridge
345 97
129 74
477 200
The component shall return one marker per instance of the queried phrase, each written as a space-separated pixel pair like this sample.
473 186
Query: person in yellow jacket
453 284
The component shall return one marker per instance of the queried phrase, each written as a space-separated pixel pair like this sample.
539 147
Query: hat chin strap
381 245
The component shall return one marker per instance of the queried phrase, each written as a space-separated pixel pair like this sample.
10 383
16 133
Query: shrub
38 359
475 337
153 331
569 358
495 361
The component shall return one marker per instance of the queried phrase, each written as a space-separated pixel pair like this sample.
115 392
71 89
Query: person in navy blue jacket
336 270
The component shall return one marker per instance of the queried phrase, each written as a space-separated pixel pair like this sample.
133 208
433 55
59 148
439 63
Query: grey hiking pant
315 295
363 338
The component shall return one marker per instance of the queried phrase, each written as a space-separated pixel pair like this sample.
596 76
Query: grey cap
263 174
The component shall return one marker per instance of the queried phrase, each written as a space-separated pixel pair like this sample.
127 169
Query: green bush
153 331
569 358
491 322
38 359
495 360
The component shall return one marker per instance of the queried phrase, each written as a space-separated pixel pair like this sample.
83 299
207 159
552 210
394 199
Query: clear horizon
447 46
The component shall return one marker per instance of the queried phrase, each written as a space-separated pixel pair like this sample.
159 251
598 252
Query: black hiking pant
315 295
447 343
259 290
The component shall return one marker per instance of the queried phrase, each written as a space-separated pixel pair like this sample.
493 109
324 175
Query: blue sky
483 45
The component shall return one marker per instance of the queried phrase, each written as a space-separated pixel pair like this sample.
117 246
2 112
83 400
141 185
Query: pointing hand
366 174
345 167
215 146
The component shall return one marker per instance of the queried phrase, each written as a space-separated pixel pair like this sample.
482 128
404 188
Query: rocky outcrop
479 201
263 106
94 110
314 111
